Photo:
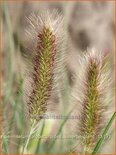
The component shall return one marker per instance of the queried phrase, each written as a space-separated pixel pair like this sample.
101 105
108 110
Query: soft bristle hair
93 95
46 33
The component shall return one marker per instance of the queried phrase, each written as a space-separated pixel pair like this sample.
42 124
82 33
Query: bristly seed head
94 88
45 62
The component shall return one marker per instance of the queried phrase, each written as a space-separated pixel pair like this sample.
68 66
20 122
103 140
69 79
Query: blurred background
87 25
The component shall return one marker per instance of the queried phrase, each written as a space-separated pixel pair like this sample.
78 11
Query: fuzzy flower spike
46 33
94 97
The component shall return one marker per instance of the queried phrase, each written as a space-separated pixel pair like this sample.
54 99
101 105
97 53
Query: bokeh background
87 25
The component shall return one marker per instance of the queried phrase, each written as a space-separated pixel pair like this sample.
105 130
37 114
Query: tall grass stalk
11 52
29 137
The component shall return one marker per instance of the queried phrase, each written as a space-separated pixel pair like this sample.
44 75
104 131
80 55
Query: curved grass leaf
101 140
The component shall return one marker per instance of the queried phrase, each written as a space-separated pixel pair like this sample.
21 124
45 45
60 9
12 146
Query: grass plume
46 61
95 83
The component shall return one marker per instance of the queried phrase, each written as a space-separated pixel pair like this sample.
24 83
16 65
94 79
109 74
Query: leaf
101 140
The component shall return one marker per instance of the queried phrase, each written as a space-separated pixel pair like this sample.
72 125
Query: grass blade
39 141
59 131
101 140
11 54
